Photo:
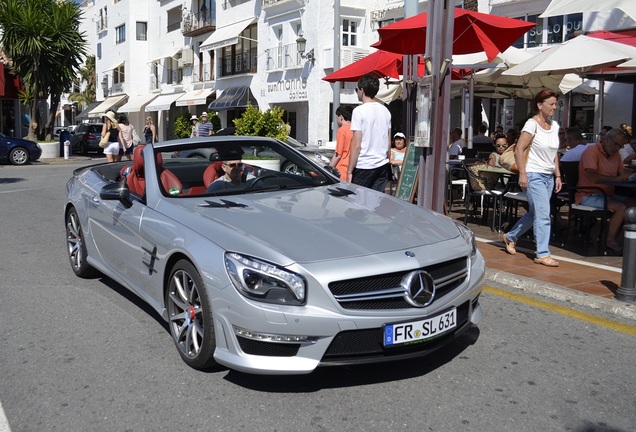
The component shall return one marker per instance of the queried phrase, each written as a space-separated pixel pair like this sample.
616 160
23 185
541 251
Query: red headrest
138 160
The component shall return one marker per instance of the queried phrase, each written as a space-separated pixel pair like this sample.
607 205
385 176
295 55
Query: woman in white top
397 154
537 176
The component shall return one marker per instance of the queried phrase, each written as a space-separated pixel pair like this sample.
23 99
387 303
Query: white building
164 58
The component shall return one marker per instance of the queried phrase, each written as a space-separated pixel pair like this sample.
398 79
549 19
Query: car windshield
236 166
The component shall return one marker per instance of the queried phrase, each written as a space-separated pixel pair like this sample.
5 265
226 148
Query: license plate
417 331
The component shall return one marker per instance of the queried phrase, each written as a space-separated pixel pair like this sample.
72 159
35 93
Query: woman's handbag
136 140
104 141
507 158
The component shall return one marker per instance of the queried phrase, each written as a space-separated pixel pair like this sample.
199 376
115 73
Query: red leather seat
212 172
169 180
136 179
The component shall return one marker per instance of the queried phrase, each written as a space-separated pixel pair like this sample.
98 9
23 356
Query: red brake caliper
192 313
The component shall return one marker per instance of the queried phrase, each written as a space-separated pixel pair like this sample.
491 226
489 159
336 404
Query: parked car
272 273
317 154
85 138
18 151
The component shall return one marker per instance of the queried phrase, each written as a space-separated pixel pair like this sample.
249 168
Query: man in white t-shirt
369 164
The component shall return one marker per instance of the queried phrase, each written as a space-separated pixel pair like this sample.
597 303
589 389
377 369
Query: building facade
165 58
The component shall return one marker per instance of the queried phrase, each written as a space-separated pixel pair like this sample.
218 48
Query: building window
174 19
142 31
120 34
349 33
119 76
99 50
242 57
550 30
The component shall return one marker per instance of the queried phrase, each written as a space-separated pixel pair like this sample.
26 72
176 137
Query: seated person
576 145
602 162
501 144
234 177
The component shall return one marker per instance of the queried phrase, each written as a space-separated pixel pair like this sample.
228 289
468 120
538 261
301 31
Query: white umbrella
522 86
579 55
564 7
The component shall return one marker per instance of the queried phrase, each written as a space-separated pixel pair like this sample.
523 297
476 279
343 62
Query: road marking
573 313
4 423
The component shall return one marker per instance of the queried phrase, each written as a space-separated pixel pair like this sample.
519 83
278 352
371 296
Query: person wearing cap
205 127
340 159
195 128
115 141
397 154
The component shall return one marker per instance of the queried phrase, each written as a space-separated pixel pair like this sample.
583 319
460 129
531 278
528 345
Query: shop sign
580 100
289 89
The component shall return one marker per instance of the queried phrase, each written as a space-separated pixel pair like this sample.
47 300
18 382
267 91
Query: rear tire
190 316
75 246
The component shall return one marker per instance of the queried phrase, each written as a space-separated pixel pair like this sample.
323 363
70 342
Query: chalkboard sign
409 173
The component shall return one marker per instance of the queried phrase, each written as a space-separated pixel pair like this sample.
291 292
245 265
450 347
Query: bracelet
557 176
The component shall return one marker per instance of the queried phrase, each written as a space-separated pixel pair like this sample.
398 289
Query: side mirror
333 171
117 192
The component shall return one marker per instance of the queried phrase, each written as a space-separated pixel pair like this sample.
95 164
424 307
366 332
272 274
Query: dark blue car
18 151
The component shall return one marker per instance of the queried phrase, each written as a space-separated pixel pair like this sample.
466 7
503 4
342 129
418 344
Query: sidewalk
589 281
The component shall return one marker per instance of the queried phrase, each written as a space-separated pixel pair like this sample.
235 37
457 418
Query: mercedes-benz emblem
419 288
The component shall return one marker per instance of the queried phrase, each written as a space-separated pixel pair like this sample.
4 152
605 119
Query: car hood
314 224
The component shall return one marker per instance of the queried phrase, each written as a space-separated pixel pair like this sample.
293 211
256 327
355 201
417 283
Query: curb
545 289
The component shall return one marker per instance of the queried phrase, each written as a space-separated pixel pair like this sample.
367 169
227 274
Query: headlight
469 237
322 158
262 281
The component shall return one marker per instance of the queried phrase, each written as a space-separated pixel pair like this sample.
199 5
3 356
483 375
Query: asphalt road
84 355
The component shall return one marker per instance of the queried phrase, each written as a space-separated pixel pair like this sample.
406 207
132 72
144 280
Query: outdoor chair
580 216
481 193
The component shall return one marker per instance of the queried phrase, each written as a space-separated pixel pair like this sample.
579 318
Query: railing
204 72
194 22
283 57
174 26
102 24
269 3
245 62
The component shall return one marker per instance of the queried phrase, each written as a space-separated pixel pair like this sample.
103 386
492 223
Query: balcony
194 24
283 57
273 4
102 24
203 72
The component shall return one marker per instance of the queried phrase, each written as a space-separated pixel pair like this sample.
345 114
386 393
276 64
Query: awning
108 103
163 102
168 52
195 97
233 97
136 103
225 36
85 111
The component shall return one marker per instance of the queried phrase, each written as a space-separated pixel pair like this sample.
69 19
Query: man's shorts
596 200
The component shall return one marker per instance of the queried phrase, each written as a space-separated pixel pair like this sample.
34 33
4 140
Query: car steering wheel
252 182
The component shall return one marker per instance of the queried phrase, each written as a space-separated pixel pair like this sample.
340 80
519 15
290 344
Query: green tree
86 75
43 41
255 122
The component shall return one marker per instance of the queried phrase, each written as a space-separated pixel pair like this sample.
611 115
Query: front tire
75 246
19 156
190 316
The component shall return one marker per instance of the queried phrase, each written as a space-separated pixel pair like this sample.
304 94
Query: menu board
409 174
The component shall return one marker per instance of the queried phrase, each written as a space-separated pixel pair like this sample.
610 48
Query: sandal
547 261
510 246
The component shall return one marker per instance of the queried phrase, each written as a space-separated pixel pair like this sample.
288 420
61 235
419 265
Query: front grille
270 349
368 342
384 291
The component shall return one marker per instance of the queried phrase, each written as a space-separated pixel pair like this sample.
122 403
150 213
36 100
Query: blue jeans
540 187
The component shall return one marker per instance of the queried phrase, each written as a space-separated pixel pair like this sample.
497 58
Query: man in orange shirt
602 162
340 159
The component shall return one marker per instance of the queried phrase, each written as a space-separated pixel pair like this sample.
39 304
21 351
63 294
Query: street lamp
301 44
105 85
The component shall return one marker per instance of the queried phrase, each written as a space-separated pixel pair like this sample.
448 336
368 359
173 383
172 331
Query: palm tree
43 41
85 74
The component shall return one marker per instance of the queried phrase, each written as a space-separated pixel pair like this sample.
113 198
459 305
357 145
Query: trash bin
65 135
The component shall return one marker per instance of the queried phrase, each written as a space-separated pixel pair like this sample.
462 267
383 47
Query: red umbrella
380 63
473 32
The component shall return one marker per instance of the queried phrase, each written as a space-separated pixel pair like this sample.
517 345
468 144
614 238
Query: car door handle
95 201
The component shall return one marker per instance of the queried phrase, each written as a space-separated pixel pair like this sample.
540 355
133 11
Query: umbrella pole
601 104
432 179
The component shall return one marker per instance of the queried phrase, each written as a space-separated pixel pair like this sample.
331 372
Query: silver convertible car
270 272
